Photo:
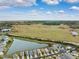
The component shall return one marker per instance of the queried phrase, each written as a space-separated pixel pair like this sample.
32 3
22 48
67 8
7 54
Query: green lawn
45 32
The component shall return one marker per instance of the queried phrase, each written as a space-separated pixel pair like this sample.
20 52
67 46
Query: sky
39 10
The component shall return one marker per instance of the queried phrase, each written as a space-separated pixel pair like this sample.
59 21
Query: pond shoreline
25 45
49 42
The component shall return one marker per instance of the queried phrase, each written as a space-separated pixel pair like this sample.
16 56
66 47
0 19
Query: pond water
20 45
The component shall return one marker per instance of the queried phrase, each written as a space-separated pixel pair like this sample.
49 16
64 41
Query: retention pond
21 45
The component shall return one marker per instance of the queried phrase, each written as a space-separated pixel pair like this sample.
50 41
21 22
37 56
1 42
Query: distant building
4 40
74 53
1 53
6 30
74 33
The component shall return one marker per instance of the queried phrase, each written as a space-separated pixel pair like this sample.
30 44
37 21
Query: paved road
1 47
67 56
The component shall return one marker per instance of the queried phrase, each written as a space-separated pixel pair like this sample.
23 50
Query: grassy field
45 32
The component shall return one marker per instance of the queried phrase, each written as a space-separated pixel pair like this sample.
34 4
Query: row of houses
56 51
3 43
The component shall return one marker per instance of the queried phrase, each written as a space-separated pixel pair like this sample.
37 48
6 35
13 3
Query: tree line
72 24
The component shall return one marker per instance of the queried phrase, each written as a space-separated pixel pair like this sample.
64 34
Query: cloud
72 1
25 2
50 15
17 2
74 8
49 12
51 2
61 11
4 7
41 8
36 15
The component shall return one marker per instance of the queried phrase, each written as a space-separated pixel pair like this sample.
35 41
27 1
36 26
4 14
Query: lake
20 45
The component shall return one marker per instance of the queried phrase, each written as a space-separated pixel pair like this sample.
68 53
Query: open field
45 32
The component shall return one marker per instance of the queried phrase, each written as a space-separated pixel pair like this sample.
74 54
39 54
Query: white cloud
25 2
4 7
36 15
17 2
20 1
72 1
41 8
75 8
51 2
49 12
61 11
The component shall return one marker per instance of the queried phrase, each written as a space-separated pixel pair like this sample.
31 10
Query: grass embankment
31 39
9 43
44 32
